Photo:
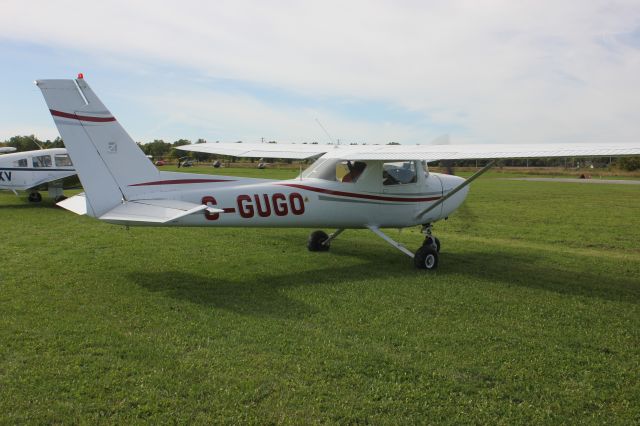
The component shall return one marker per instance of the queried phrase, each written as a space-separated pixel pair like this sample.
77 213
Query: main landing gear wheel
35 197
316 241
426 257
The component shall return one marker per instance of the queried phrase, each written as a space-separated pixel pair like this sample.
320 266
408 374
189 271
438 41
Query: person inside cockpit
355 170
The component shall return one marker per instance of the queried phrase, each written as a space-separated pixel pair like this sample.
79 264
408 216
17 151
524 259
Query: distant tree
25 143
57 143
629 163
201 141
393 143
173 152
157 149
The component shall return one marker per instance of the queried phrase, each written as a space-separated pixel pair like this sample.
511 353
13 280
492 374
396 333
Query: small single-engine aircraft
27 170
6 149
368 186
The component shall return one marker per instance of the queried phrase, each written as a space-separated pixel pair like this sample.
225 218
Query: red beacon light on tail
80 76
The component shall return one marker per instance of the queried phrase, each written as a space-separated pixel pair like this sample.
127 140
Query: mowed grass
533 317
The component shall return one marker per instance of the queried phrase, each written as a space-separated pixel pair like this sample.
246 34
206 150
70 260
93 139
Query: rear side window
20 163
63 160
42 161
398 173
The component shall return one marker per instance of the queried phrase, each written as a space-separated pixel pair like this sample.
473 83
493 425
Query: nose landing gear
426 257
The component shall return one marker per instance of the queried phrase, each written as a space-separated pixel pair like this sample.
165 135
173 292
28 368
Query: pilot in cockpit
355 170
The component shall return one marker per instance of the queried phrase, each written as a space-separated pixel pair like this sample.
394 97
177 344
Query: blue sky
369 71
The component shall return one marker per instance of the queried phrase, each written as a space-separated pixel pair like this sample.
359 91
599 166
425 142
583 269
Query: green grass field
533 317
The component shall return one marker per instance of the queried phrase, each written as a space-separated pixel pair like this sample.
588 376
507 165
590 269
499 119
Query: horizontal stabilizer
76 204
154 211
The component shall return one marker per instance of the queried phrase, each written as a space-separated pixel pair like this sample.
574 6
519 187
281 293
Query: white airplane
6 149
27 170
347 187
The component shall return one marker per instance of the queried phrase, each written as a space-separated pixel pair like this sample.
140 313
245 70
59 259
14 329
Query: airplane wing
427 153
260 150
431 153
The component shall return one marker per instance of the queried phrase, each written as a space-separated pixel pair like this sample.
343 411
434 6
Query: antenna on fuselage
331 140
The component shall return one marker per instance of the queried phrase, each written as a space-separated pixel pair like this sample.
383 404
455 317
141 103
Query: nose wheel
432 241
426 257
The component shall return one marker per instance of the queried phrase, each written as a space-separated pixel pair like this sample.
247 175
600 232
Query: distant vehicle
160 163
187 163
347 187
27 170
262 165
216 164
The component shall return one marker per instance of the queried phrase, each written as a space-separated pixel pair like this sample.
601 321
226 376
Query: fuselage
25 170
306 202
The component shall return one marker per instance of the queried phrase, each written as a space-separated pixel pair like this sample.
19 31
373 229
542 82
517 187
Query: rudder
107 160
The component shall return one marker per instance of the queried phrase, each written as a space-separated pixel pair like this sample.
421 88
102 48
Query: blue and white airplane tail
110 165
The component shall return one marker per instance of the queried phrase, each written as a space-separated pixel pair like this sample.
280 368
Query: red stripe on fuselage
181 182
356 195
81 117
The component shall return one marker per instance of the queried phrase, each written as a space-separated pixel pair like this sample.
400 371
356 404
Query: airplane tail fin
107 160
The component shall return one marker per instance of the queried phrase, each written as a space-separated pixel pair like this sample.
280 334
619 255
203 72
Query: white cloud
504 71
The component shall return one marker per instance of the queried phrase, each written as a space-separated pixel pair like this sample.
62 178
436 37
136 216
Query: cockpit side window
20 163
399 173
42 161
335 170
63 160
348 171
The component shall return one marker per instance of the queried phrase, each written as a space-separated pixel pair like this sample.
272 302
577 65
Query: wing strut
391 241
457 188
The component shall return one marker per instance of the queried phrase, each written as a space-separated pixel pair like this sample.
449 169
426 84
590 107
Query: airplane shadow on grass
260 293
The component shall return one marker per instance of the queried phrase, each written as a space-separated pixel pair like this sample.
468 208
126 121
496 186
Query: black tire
35 197
426 257
315 241
430 240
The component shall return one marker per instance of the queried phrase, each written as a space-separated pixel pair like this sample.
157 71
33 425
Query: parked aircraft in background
365 186
27 170
6 149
